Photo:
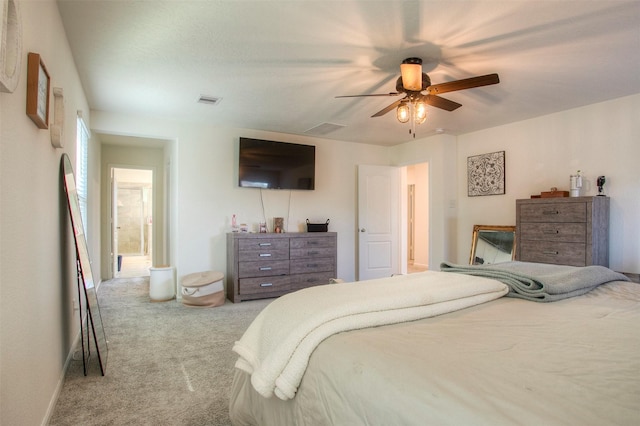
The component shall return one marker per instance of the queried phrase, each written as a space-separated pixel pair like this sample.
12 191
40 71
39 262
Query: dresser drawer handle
551 212
312 265
551 232
550 252
264 244
265 254
312 243
265 268
266 284
312 252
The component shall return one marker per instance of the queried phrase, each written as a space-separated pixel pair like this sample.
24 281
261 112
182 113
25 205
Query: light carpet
168 364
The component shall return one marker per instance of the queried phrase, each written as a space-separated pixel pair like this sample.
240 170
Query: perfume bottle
234 224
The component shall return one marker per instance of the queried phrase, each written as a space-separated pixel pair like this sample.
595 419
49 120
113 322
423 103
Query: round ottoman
203 289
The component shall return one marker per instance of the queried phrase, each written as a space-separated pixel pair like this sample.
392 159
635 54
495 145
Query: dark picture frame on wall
38 89
486 174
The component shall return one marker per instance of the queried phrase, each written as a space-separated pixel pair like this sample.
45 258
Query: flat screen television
276 165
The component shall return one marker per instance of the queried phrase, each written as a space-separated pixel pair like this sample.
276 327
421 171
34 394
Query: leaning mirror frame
503 239
93 317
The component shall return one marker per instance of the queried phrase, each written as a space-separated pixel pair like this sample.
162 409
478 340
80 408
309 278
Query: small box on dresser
261 266
565 231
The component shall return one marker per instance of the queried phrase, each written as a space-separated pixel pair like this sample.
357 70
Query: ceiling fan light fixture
403 114
419 113
411 70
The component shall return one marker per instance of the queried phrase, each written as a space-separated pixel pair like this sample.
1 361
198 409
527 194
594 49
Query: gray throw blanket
540 282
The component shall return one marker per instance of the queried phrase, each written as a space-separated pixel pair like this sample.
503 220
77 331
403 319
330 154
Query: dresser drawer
263 269
253 244
313 242
264 254
264 284
553 212
260 265
309 280
321 264
562 232
553 252
312 252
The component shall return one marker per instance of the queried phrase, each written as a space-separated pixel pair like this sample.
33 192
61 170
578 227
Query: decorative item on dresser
260 266
565 231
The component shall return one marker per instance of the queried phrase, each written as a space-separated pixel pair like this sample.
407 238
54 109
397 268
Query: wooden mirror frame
478 229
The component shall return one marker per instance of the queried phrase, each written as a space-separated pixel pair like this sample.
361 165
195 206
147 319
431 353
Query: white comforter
276 347
503 363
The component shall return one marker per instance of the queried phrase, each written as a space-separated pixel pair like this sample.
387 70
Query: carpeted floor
167 364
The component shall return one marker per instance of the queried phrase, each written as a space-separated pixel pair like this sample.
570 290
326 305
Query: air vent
324 128
209 100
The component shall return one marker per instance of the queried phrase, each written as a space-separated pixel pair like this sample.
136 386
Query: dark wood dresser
565 231
260 266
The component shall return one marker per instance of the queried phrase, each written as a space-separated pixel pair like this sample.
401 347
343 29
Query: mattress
504 362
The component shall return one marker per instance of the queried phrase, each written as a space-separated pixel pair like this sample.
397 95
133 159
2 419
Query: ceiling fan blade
439 102
375 94
466 83
387 109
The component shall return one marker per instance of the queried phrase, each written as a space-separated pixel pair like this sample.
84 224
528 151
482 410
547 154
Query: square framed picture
486 174
38 88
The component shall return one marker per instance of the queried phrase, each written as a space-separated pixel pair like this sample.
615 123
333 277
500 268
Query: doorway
393 220
417 217
132 227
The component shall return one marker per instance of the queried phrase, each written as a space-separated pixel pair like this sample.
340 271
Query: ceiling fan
413 82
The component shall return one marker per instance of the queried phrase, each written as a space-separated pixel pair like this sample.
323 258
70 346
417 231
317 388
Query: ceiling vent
209 100
324 128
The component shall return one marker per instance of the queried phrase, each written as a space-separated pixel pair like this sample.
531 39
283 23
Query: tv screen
276 165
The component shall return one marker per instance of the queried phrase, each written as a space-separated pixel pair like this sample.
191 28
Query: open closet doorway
132 221
417 218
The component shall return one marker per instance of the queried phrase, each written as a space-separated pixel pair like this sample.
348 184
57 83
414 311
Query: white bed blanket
276 347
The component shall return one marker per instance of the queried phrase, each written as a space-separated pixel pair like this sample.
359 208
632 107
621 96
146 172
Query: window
82 159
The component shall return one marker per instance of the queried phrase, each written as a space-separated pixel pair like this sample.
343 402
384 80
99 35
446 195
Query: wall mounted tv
276 165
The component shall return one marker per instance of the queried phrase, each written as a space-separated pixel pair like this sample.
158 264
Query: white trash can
161 283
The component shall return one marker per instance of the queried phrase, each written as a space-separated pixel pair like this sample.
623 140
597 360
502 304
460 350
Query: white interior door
378 221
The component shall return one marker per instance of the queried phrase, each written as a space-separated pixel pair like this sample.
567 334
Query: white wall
440 152
37 256
37 262
204 166
600 139
123 156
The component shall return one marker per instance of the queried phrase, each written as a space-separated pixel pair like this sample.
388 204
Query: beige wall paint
541 153
133 157
37 270
38 323
206 195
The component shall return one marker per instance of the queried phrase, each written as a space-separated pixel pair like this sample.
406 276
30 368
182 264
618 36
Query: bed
500 361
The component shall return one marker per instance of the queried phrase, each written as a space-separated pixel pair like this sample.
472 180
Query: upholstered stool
203 289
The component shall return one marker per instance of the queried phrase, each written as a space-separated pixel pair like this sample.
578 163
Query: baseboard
63 373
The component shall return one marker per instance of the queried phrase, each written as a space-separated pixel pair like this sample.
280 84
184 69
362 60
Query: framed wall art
486 174
38 88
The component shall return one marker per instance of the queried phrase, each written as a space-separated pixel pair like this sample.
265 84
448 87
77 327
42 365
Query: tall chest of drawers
261 266
565 231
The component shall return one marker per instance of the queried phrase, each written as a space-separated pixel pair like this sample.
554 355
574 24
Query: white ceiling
278 65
